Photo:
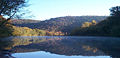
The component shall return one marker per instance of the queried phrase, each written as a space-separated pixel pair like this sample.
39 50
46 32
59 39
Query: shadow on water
5 47
68 45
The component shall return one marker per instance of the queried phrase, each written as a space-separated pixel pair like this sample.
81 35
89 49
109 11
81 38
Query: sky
46 9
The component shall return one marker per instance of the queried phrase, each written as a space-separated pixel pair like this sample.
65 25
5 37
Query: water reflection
5 47
42 54
68 45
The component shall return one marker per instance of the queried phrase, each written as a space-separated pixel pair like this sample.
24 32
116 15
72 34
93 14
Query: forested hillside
7 29
21 21
64 24
108 27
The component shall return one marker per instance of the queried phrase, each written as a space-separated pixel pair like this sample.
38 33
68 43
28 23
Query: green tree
115 11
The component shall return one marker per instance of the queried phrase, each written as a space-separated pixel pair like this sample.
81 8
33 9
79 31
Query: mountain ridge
64 24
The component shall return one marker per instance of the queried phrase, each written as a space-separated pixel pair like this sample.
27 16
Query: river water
64 47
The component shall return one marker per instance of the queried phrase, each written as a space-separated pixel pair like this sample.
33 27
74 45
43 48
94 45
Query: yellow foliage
25 31
11 30
86 24
94 22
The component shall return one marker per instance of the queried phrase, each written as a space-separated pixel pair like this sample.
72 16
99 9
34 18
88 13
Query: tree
11 7
115 11
94 22
86 24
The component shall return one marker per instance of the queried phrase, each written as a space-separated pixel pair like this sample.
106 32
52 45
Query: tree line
108 27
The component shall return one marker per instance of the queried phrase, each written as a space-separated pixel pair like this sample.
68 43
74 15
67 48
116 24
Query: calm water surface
65 47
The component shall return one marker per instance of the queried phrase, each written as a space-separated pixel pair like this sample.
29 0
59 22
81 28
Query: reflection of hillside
30 40
86 46
110 46
5 43
5 47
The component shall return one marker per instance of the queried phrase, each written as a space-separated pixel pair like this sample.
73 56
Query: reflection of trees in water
86 46
109 46
5 47
30 40
5 43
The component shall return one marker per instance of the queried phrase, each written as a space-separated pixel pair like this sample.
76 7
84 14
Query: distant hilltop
63 24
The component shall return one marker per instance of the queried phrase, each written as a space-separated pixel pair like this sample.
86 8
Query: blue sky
45 9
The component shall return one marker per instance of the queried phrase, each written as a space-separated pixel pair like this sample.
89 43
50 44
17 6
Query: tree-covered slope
64 24
7 29
108 27
21 21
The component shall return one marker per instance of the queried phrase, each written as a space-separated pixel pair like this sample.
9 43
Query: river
64 47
